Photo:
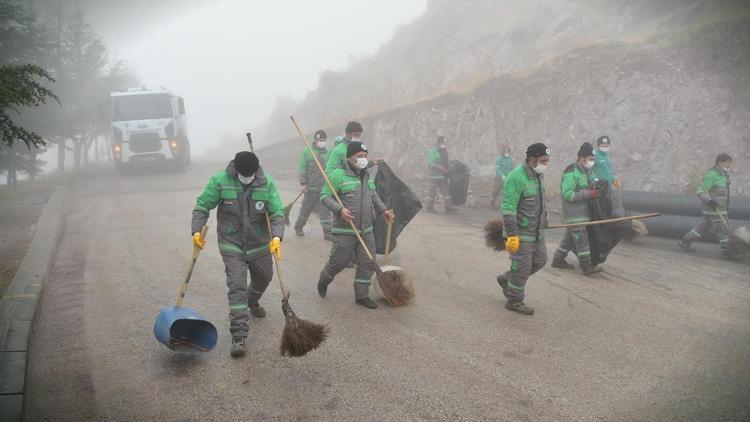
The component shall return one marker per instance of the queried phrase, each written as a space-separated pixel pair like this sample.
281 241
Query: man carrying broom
356 188
243 193
524 220
311 181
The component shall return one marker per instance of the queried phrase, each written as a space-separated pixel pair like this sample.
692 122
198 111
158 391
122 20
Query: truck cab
149 128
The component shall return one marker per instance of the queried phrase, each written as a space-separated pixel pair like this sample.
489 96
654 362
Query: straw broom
396 290
288 208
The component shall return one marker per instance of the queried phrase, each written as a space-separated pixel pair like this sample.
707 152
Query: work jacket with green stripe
337 157
309 175
357 193
715 186
524 211
241 226
436 163
576 195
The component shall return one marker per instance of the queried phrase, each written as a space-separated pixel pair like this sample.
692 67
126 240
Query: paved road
659 336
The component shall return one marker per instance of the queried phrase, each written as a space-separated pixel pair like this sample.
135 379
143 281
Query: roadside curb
18 306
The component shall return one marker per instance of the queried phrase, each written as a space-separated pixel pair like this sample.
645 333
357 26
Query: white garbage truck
149 128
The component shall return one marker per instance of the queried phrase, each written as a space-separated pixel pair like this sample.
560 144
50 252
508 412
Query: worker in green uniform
438 164
524 219
243 194
577 193
602 164
503 166
714 194
337 156
311 181
359 203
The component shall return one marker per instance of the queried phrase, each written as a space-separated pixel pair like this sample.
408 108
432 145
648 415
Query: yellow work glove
198 241
618 184
275 247
513 244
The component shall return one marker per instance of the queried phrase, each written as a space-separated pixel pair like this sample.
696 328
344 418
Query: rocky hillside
685 67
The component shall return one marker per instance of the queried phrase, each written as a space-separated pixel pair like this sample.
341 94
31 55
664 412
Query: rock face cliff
561 72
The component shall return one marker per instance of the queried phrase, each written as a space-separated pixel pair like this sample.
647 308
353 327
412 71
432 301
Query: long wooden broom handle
184 286
330 186
693 170
295 199
388 241
284 291
613 220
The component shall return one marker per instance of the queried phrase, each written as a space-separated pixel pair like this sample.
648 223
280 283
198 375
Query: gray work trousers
241 296
310 203
529 259
576 239
709 223
344 245
441 185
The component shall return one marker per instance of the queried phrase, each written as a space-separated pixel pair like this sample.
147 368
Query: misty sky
230 59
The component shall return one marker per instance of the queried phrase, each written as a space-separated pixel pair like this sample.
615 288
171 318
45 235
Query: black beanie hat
246 163
355 147
353 126
441 139
604 139
537 150
321 134
587 150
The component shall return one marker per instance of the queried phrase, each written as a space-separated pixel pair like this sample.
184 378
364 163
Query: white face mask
245 180
726 169
356 140
442 146
321 144
588 165
362 162
604 149
506 154
540 168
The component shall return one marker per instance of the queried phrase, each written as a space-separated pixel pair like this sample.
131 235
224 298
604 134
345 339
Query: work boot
257 311
686 247
591 270
238 346
351 264
450 209
328 237
519 307
730 256
503 282
560 262
430 208
299 232
367 303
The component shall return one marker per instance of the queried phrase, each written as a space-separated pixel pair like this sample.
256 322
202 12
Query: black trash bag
459 175
397 196
603 238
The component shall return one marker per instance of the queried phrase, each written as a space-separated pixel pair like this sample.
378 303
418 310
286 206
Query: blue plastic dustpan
184 329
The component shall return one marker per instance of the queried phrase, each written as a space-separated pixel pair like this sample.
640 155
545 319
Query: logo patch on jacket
260 205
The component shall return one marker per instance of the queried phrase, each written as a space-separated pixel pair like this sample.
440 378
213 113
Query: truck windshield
141 107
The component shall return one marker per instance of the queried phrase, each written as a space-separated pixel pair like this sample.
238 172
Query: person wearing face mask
439 163
243 194
337 156
524 219
602 165
576 194
503 166
311 182
356 189
714 194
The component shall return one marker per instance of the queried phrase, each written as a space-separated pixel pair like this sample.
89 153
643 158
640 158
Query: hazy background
232 59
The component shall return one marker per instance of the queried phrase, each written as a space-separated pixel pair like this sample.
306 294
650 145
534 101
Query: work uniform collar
530 171
260 176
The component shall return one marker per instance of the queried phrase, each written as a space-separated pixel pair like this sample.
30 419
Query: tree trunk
97 150
61 155
77 148
85 151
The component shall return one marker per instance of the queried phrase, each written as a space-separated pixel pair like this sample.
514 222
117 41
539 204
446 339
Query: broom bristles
396 287
287 210
300 336
493 235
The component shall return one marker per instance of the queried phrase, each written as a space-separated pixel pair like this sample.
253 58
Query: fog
230 60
